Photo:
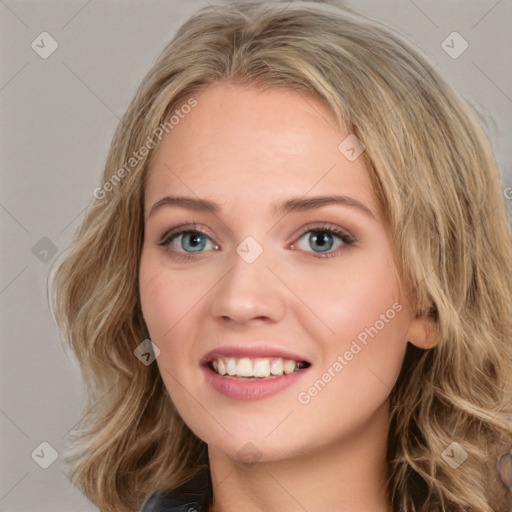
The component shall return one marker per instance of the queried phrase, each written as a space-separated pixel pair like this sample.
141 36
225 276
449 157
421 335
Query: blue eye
194 240
190 240
185 242
322 240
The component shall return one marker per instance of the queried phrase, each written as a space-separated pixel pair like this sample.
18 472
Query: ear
423 332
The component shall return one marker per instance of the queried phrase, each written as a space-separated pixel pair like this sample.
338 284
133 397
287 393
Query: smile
256 368
253 378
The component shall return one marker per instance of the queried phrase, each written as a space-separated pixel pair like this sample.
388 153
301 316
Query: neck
347 476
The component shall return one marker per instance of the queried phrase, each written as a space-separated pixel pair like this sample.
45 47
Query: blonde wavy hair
434 174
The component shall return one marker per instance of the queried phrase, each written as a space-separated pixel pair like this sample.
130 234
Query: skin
245 148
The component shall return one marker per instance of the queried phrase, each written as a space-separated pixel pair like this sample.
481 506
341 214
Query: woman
293 289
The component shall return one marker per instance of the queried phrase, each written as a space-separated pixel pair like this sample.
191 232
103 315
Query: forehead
256 146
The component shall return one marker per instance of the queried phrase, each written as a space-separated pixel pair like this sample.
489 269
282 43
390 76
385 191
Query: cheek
165 304
358 369
170 303
353 296
153 289
363 333
166 297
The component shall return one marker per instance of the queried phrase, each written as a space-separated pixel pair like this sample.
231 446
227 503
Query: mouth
257 368
252 372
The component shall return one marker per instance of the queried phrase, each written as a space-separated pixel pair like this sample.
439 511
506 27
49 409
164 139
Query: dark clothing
196 495
193 496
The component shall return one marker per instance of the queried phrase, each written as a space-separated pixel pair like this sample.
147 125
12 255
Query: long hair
433 172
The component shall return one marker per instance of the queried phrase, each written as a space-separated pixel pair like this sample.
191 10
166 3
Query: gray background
58 118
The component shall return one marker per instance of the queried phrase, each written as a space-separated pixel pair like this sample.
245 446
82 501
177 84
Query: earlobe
423 332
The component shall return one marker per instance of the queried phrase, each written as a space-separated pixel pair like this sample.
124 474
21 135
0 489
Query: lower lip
253 389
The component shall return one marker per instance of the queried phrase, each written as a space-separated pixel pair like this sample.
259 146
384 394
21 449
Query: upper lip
251 351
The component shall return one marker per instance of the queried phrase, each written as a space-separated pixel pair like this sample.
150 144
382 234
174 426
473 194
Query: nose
249 292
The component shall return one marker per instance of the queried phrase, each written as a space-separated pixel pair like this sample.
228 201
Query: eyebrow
290 205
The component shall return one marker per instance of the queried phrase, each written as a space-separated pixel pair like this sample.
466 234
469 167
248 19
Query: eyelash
193 228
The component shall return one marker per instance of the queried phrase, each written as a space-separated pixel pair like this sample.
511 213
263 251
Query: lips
252 372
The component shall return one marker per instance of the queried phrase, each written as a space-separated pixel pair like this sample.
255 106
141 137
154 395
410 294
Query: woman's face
272 273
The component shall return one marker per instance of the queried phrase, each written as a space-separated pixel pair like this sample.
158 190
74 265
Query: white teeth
289 366
276 367
261 367
231 366
244 367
